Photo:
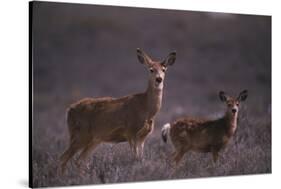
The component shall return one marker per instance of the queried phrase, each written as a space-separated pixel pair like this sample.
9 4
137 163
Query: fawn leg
178 156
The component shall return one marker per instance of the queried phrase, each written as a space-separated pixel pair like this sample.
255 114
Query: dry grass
249 152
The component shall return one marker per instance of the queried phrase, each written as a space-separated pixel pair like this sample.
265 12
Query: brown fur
92 121
202 135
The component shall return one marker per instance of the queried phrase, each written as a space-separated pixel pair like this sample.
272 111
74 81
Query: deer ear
143 57
170 60
243 95
222 96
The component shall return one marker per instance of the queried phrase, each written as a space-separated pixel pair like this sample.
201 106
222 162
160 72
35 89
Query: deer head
233 103
157 69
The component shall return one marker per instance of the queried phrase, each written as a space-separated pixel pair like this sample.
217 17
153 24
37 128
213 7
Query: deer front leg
141 149
142 134
139 153
137 149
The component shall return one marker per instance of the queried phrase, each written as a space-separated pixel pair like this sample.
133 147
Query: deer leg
138 152
141 136
170 159
133 146
178 156
68 154
85 152
174 154
215 154
141 149
137 149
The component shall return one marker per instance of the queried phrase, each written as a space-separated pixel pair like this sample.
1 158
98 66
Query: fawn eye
237 104
164 70
229 105
151 70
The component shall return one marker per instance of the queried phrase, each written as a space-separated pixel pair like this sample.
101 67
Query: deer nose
159 79
234 110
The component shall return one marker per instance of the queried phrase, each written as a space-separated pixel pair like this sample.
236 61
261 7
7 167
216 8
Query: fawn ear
143 57
222 96
243 95
170 59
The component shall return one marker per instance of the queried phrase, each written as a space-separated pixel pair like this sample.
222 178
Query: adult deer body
92 121
201 135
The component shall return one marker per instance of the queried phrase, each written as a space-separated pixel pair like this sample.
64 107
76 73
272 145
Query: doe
92 121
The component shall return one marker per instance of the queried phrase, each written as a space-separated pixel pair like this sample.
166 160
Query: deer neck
153 99
231 122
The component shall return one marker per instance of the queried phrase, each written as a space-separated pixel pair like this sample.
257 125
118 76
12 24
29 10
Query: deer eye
164 70
151 70
229 105
237 104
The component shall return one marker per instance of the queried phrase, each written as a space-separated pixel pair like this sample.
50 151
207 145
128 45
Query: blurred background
90 51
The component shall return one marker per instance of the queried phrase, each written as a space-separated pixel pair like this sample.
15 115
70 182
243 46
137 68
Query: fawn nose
159 79
234 110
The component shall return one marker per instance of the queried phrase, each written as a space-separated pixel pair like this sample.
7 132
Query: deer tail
165 131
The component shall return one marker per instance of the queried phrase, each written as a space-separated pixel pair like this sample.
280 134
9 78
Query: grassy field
82 51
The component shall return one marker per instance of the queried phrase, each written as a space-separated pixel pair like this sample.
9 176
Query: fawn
92 121
201 135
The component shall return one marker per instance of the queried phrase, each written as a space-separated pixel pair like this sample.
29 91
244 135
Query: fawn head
232 102
157 69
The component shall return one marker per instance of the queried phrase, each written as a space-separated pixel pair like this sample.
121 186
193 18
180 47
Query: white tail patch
165 130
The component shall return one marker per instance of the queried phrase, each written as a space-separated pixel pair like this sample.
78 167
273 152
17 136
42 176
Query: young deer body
202 135
92 121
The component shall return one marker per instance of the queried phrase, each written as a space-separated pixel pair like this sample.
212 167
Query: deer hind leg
177 157
68 154
178 154
85 152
